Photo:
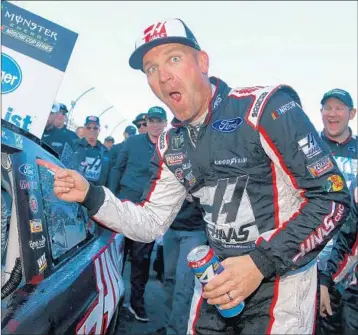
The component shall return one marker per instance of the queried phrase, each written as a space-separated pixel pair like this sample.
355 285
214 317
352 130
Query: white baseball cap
162 32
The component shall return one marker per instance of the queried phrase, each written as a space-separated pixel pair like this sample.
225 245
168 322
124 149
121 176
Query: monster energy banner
34 56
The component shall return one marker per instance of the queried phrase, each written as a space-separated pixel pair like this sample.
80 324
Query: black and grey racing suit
264 193
338 261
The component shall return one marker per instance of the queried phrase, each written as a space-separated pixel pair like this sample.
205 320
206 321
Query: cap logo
155 31
92 118
336 92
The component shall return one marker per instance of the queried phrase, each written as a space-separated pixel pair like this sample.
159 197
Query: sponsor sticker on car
42 263
33 204
36 226
39 244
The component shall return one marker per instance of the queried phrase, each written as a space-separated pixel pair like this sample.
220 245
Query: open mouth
333 122
176 96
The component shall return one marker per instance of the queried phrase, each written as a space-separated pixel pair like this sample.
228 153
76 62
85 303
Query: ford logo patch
27 170
227 126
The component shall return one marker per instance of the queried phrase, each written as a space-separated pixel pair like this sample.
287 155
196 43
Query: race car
61 273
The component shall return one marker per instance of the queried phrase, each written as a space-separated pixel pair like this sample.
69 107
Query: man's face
177 75
92 130
108 144
156 126
59 120
142 126
80 131
336 116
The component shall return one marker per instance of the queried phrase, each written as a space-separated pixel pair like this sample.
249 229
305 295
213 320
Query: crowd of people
243 170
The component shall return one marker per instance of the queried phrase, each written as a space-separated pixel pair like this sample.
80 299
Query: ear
352 113
203 60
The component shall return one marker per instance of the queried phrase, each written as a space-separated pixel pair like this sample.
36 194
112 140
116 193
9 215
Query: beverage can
206 265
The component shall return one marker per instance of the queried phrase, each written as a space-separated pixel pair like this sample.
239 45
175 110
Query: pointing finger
52 167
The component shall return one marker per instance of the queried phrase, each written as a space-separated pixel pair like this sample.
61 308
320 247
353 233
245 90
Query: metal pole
117 126
105 111
73 103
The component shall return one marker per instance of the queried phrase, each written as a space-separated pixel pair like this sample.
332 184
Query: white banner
34 56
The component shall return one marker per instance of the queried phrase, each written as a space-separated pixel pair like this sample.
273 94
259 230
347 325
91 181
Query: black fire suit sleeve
300 182
344 253
149 219
118 168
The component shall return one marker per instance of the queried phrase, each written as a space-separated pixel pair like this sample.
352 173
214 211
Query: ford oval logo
27 170
11 75
227 126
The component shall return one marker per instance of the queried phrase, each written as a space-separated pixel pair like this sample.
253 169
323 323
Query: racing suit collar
336 142
216 99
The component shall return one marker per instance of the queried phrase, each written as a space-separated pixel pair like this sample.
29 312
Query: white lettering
11 16
8 78
19 19
322 232
33 26
107 266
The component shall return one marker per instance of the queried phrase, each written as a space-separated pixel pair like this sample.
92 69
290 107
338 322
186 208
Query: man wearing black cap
338 279
59 139
128 179
61 122
93 160
128 132
141 123
241 153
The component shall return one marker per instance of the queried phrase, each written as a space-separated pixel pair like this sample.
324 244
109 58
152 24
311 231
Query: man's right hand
69 185
325 304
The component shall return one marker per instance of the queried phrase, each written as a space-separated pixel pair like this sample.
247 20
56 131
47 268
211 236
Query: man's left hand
239 279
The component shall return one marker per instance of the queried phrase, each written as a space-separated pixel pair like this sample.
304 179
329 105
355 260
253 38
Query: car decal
106 266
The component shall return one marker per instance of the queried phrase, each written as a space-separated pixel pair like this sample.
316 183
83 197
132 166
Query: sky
311 46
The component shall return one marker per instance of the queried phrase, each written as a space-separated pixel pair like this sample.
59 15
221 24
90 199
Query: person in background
92 159
128 132
80 131
338 283
109 142
186 232
57 138
141 123
61 120
128 179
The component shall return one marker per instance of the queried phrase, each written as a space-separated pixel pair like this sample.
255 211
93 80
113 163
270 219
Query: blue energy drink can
206 265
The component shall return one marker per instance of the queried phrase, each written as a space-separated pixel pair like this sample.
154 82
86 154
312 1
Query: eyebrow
175 48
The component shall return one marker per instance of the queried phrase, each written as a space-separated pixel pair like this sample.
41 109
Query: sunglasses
139 125
92 128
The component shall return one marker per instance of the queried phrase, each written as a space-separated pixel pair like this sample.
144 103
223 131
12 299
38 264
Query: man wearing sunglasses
92 159
141 123
128 179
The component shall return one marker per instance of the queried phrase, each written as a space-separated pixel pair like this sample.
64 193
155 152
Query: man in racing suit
338 261
241 153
